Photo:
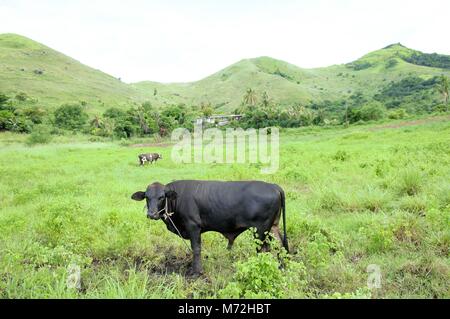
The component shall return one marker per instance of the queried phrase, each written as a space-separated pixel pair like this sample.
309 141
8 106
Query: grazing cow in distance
150 158
191 207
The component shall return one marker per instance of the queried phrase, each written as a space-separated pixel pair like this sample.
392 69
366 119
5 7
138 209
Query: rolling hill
53 78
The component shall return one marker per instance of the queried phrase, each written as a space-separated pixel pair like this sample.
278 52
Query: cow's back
227 205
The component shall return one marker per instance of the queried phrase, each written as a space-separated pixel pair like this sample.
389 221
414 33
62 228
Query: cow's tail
283 207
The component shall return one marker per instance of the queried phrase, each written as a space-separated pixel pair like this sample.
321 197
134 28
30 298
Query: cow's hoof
193 273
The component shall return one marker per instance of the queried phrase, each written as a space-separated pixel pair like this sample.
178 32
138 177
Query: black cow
149 158
229 208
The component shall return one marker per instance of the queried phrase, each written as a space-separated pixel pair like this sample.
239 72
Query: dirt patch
150 145
410 123
172 264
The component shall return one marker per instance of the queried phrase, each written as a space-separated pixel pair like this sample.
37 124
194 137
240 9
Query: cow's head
155 196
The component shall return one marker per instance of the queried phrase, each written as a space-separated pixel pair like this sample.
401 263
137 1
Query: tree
70 117
34 114
114 113
266 100
97 122
443 87
250 97
371 111
206 109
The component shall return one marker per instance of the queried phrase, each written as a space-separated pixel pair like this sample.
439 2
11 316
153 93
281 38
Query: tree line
397 99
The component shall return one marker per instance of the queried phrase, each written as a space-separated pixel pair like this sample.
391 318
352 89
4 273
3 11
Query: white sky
176 40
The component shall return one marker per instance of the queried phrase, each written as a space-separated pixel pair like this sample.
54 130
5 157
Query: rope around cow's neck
166 216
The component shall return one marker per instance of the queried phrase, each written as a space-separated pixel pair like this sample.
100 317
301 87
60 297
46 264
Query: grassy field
359 196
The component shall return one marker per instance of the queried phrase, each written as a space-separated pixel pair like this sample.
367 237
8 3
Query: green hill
53 78
288 84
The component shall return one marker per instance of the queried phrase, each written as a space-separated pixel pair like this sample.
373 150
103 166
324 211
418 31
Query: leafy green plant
409 181
70 117
41 134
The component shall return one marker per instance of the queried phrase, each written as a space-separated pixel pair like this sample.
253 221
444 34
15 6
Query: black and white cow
229 208
149 158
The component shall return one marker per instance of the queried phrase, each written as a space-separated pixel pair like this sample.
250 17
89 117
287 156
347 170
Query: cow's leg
196 245
276 231
231 238
230 243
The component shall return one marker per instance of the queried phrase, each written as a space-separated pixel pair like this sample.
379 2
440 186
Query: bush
379 237
258 277
409 181
397 114
34 114
41 135
373 111
341 156
22 97
70 117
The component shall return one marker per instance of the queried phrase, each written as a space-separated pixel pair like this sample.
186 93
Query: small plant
22 97
414 204
380 237
258 277
341 156
41 135
409 181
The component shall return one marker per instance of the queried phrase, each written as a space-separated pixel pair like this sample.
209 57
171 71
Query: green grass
66 80
357 196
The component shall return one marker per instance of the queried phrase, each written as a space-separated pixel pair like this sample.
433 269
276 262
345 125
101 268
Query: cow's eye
161 198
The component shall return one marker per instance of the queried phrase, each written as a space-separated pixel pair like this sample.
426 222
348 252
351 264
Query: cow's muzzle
153 216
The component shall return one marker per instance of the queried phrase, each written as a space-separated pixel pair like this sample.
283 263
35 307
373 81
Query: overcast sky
176 40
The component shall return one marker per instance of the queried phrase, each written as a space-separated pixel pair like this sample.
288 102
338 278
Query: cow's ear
138 196
170 194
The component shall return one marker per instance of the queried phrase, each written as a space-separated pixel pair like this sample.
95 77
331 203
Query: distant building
218 120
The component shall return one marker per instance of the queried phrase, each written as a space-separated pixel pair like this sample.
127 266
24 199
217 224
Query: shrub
261 277
34 114
374 199
41 134
341 156
409 181
408 229
258 277
380 237
391 63
414 204
22 97
372 111
70 117
397 114
328 199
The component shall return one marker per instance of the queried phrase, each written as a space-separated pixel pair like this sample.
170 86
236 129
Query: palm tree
266 100
97 122
141 119
250 97
443 87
